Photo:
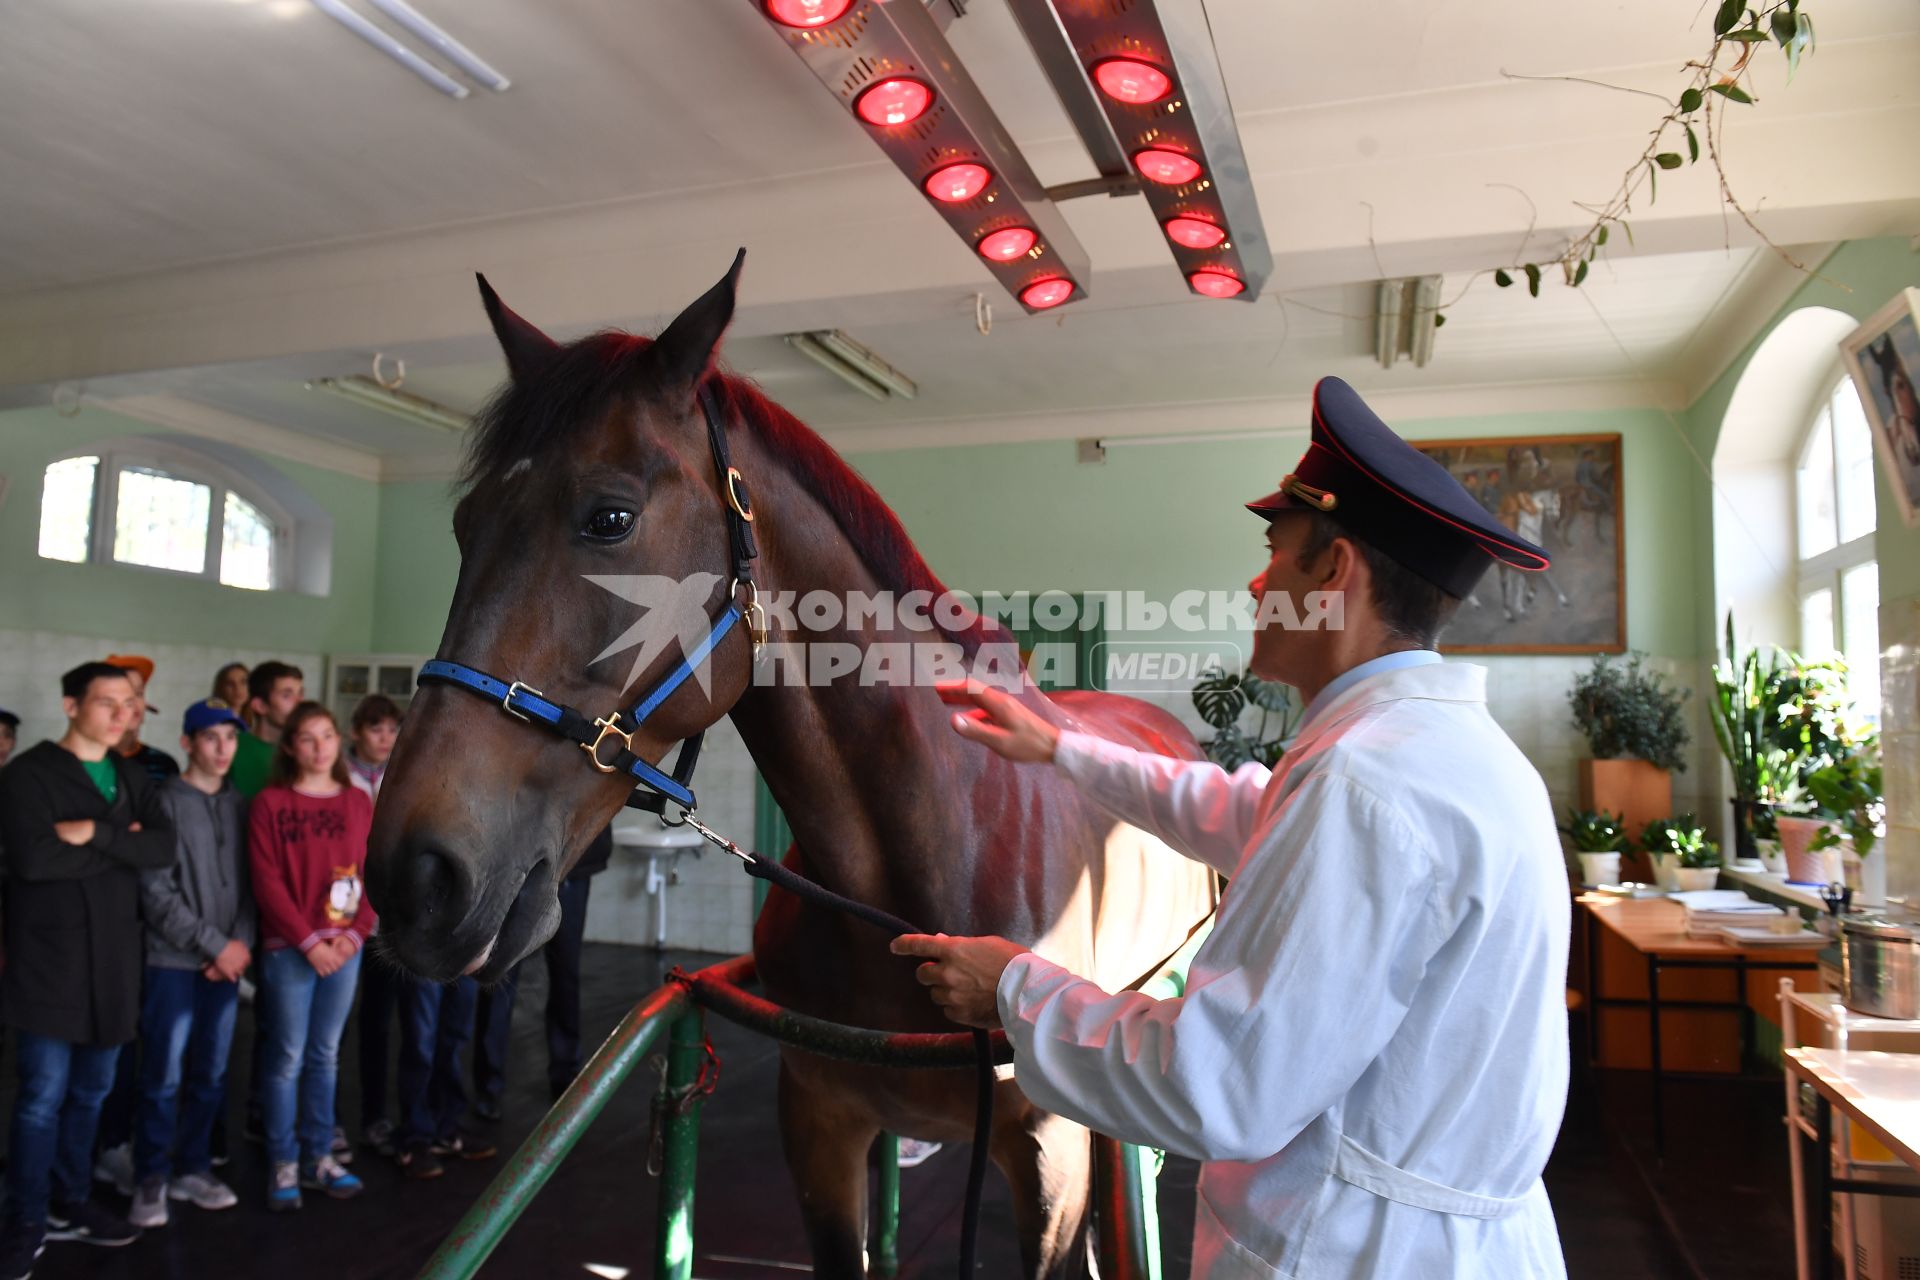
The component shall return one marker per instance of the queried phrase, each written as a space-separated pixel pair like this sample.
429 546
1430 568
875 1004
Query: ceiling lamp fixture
949 144
804 15
427 32
1151 72
1403 320
1007 244
899 100
368 394
853 364
1131 81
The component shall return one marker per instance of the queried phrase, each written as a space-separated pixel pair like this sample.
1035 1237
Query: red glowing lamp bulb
1195 233
1131 81
958 182
1007 244
1047 293
1215 284
806 14
1169 168
895 101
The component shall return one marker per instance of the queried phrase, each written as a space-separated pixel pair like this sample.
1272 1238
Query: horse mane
580 383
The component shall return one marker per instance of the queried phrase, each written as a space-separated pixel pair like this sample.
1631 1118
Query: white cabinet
352 676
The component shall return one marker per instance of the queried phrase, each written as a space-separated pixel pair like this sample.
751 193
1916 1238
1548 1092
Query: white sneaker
915 1152
149 1204
115 1166
203 1190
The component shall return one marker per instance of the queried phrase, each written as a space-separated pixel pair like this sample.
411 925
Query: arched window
1838 580
164 506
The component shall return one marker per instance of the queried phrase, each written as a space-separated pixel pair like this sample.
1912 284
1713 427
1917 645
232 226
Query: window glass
246 546
1860 605
1815 485
161 521
1816 624
1853 454
66 509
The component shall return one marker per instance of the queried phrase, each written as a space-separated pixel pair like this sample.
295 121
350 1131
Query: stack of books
1728 915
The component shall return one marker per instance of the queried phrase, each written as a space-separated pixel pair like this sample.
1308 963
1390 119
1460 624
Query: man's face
1276 649
211 750
139 715
102 713
374 743
288 693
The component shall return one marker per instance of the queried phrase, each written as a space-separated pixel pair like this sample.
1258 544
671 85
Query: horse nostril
437 885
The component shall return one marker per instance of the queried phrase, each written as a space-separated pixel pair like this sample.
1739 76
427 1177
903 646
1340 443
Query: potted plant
1847 794
1634 723
1598 840
1683 856
1221 697
1755 710
1765 827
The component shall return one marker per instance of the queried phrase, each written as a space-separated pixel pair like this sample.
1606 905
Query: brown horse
594 461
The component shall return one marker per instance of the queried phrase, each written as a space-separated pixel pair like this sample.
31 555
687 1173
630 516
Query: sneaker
149 1204
379 1136
342 1150
915 1152
114 1166
20 1244
89 1223
202 1190
419 1163
283 1191
487 1109
326 1175
465 1146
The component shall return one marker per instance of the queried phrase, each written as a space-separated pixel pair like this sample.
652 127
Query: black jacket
74 944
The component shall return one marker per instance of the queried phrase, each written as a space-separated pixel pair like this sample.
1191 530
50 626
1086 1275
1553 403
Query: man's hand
963 972
77 832
1001 723
325 958
232 960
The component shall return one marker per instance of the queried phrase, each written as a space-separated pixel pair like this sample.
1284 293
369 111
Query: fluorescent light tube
809 346
443 44
369 394
866 363
392 47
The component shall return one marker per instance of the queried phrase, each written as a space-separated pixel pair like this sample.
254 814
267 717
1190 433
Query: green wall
112 600
413 582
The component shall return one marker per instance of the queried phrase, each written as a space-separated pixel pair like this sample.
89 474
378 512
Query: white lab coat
1371 1054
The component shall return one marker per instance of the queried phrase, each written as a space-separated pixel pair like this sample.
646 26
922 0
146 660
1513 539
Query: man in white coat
1371 1053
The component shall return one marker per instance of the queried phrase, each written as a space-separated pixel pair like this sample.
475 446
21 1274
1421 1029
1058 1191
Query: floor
1715 1209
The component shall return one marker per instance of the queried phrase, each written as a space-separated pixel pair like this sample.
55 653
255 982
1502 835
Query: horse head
589 488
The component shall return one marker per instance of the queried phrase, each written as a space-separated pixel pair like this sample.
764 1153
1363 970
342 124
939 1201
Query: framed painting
1883 358
1558 492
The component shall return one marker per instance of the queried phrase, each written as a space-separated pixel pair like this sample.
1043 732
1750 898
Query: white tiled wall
1900 741
31 663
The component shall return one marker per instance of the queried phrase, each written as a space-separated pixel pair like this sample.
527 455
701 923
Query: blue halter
652 787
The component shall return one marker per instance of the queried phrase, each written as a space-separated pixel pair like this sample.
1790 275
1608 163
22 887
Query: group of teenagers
141 899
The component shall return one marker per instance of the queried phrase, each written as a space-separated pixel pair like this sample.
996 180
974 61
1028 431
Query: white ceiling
213 200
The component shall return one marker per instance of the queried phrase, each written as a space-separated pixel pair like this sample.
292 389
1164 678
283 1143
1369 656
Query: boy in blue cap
200 931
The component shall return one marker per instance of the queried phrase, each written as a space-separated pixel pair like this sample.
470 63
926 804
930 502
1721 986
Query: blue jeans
435 1024
186 1028
51 1152
305 1015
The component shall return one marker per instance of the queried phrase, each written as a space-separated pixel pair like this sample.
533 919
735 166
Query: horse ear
685 349
526 347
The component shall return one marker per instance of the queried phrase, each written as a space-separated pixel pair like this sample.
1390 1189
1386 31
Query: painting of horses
1883 356
1561 493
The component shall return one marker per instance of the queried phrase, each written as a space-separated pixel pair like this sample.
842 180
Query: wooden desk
1634 941
1878 1091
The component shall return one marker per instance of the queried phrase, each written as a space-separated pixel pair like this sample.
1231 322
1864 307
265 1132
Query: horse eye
609 524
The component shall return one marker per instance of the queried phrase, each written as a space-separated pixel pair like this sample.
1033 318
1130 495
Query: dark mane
577 387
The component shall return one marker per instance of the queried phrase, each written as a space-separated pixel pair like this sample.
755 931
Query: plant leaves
1690 100
1748 35
1628 228
1731 91
1653 183
1579 274
1601 238
1270 695
1693 146
1783 26
1219 700
1802 42
1439 318
1728 14
1501 278
1668 160
1533 279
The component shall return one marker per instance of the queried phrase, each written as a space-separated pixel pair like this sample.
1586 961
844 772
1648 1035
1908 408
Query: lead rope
764 868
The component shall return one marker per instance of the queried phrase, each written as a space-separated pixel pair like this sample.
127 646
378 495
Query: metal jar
1880 967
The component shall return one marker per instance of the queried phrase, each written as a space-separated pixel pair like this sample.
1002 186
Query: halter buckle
607 726
734 500
754 615
514 690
